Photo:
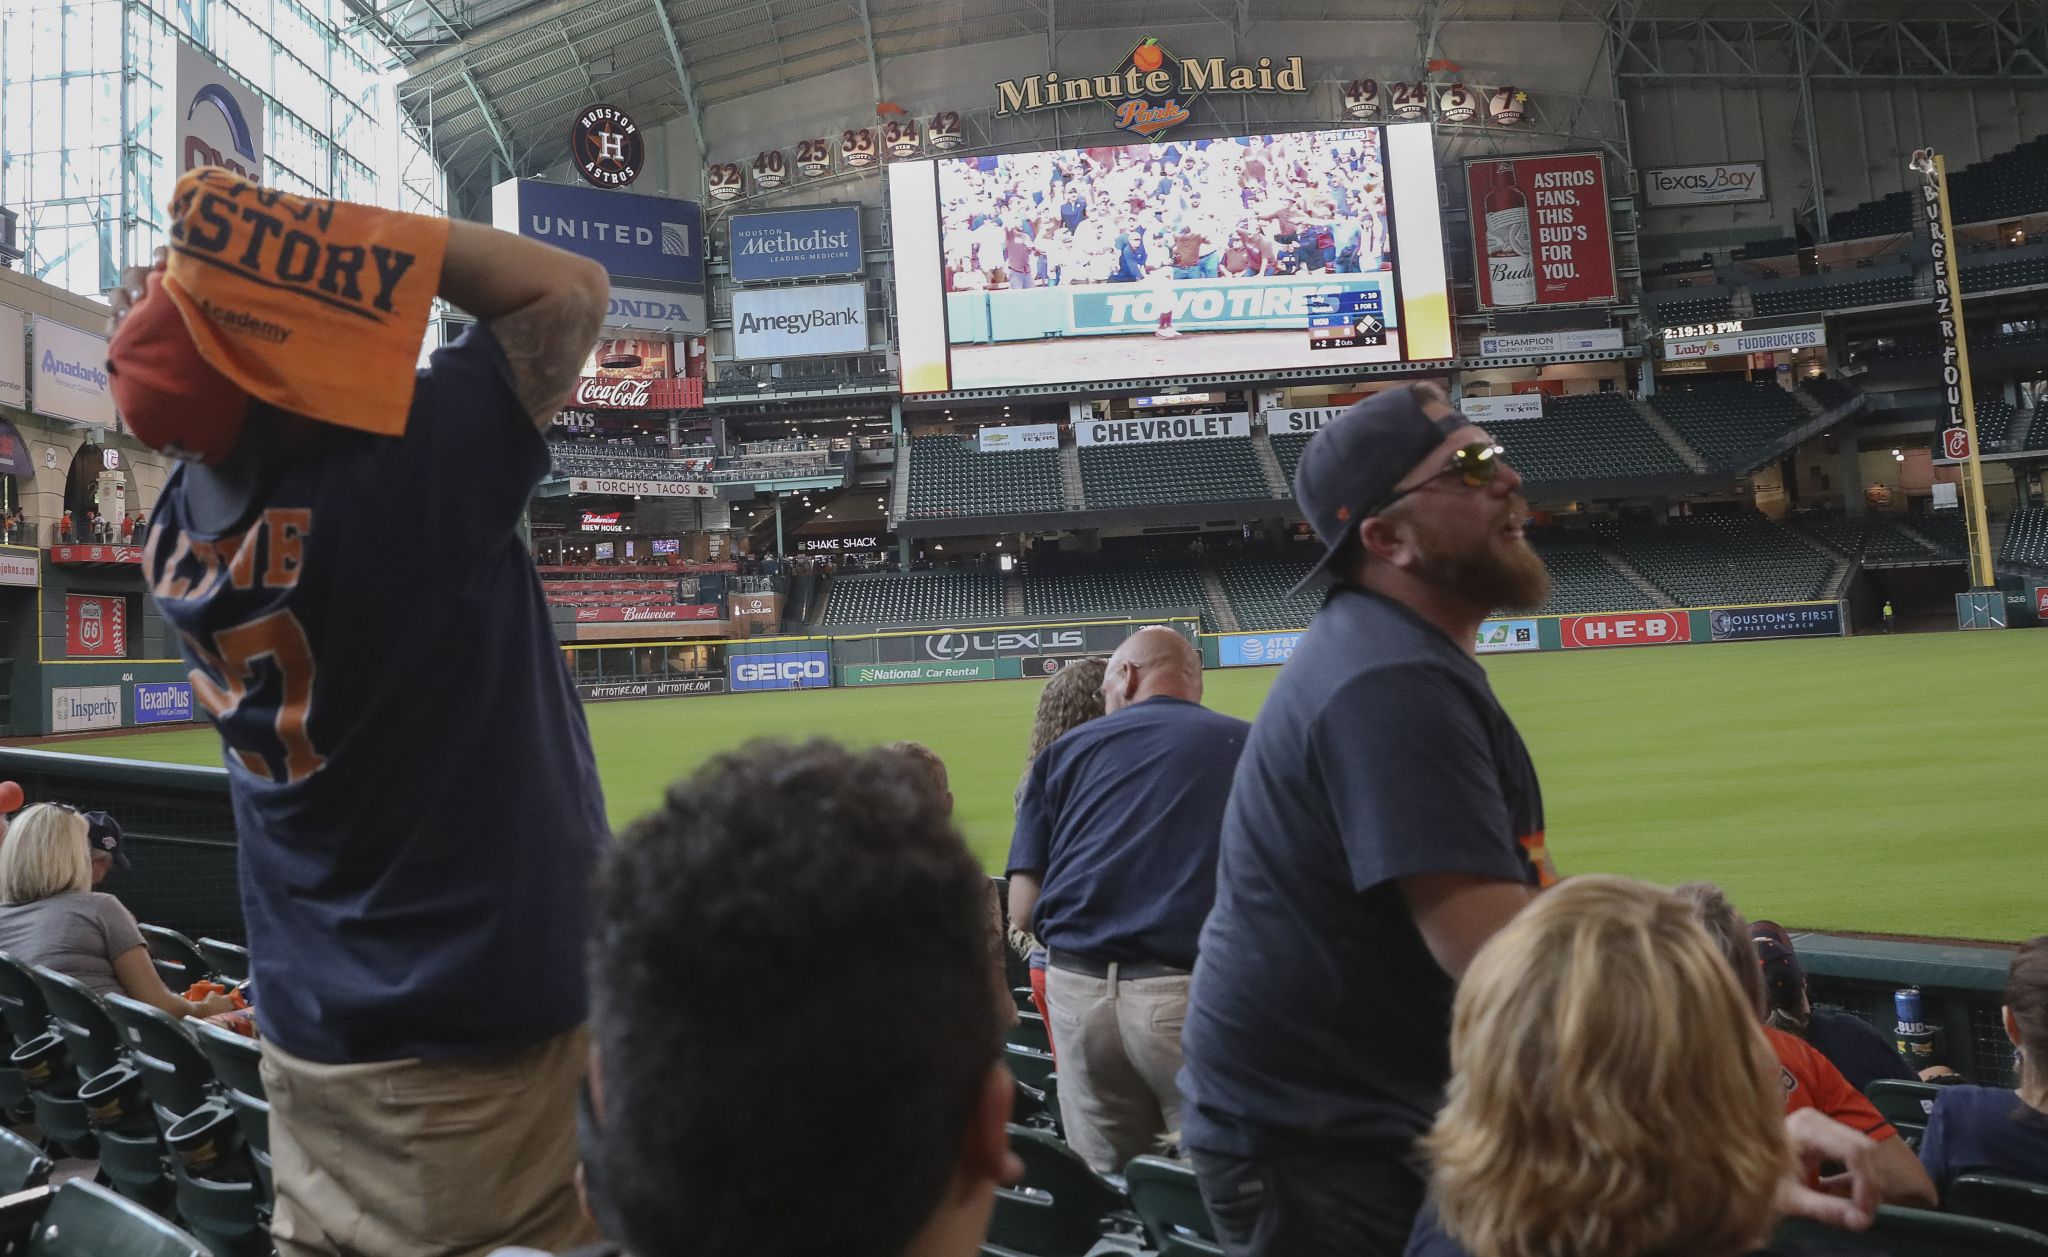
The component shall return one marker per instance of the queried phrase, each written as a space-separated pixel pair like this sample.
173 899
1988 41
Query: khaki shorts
396 1158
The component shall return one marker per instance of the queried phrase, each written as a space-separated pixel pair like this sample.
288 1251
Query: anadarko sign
1175 428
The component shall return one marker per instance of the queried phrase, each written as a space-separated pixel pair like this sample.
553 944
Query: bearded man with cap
1384 822
415 796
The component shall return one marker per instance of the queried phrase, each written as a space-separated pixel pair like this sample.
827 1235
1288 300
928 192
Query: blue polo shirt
1857 1048
1317 1011
1119 823
415 797
1984 1130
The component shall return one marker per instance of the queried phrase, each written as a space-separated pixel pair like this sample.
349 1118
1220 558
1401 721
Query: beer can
1906 1003
1913 1037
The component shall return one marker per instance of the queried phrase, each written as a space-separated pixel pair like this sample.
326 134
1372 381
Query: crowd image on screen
1306 204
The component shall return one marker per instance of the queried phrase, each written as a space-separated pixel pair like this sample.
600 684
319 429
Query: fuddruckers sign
1150 89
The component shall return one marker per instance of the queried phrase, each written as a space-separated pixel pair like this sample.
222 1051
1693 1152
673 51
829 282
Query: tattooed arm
544 305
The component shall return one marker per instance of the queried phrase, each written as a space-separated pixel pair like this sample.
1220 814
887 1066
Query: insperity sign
1150 89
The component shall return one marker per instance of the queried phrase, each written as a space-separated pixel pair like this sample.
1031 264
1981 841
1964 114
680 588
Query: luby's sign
1150 89
606 393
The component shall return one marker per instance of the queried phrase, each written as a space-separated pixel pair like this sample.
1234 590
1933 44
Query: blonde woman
1612 1095
51 916
1071 699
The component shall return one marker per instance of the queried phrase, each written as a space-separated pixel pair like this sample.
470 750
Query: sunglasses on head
1476 464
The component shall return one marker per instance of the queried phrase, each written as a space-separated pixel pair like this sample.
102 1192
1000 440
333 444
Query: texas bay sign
1150 89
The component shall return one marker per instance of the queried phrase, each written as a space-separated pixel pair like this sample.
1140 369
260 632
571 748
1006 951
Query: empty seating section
1581 580
1257 589
2026 538
1888 215
1592 436
626 462
1111 588
1287 447
1840 295
1166 473
1721 560
916 598
1944 530
1994 423
1674 313
1986 272
1828 391
1731 425
1876 539
949 477
1784 246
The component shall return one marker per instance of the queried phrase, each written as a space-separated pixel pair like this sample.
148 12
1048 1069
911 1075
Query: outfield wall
1670 626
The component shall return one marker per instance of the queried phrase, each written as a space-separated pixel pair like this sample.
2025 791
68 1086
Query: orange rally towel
317 307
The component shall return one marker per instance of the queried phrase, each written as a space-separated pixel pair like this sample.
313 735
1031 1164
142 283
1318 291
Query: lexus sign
1635 628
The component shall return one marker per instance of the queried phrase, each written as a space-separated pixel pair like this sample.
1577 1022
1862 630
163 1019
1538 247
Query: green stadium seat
1587 436
1169 1203
2013 1201
1031 1066
1722 559
1062 1208
22 1164
1103 588
237 1062
1030 1031
2026 536
1904 1104
83 1220
176 1074
79 1016
176 957
1258 592
1902 1232
229 961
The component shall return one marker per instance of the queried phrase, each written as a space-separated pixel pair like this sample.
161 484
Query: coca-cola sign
614 394
630 394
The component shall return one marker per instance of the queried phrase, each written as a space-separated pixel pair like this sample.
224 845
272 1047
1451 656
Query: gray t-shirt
77 934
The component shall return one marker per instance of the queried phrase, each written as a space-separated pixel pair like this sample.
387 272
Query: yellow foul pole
1959 425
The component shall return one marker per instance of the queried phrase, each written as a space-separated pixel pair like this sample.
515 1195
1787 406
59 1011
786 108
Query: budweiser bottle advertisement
1510 259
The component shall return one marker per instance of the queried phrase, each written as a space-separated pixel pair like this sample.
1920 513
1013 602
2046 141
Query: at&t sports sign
1150 89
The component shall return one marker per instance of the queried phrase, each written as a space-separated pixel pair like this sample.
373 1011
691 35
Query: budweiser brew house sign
608 393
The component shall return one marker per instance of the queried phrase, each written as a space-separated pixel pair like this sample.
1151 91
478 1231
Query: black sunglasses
1476 464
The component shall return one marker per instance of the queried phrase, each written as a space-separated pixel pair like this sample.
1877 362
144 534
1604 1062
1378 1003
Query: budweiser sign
659 615
628 394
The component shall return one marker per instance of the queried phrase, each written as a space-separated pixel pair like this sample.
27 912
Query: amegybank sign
770 323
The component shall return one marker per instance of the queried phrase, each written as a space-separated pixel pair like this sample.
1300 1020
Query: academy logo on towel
281 242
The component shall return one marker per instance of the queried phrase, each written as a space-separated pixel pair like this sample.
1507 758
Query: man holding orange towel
415 796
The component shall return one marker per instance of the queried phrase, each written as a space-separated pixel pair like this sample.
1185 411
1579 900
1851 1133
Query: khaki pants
1119 1047
455 1157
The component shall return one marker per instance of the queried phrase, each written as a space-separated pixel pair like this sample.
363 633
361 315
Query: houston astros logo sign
607 147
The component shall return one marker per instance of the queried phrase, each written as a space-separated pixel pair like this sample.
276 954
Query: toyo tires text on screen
797 670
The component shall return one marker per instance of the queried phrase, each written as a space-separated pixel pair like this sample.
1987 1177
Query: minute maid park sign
1150 89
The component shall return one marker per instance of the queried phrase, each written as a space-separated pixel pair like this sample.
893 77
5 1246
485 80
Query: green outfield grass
1882 784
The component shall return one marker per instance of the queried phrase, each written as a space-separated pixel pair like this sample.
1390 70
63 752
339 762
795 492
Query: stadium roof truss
1832 40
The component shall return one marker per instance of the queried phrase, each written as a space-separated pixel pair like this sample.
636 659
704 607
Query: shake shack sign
1149 91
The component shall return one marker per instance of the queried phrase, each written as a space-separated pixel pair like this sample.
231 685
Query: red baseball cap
171 398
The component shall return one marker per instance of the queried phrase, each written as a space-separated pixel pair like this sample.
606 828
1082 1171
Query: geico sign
1639 628
780 670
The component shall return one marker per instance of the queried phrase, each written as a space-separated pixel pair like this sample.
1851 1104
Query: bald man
1113 867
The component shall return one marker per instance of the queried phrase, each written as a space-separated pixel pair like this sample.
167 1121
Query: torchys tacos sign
1149 91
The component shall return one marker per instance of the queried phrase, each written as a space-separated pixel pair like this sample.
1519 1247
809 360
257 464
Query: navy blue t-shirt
1857 1048
1317 1011
1984 1130
1119 823
416 801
